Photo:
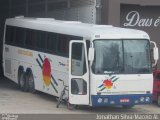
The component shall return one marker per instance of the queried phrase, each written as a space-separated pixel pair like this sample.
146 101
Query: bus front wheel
31 84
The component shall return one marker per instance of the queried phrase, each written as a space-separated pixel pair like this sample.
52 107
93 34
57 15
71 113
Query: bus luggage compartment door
78 73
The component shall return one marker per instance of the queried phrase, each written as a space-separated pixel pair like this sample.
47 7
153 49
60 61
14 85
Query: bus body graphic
46 72
108 83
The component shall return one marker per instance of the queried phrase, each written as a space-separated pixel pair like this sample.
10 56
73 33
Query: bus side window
20 36
31 37
10 35
52 42
41 40
63 45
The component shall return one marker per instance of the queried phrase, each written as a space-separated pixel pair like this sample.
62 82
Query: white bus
102 65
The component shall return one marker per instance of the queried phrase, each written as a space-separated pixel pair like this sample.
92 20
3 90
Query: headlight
136 101
99 100
106 100
147 99
142 99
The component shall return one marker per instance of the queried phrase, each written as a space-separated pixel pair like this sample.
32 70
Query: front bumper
111 100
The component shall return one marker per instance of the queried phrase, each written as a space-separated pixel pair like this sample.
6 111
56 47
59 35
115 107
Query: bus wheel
128 106
23 83
158 100
31 84
20 71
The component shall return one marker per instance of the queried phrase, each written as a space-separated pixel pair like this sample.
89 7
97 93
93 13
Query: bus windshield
121 57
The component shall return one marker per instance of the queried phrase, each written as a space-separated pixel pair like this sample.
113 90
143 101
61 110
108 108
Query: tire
23 83
158 100
20 71
31 84
127 106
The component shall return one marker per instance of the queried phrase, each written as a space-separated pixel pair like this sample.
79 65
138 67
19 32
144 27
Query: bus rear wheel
23 83
158 100
31 84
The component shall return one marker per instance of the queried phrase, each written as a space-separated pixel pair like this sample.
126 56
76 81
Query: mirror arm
155 45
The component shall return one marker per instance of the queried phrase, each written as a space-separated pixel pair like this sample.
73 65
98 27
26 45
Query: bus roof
88 31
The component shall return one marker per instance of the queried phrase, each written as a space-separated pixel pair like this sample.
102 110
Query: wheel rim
21 81
31 82
159 100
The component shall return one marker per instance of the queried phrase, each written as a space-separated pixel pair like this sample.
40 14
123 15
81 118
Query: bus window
77 51
10 35
31 37
78 87
78 59
63 45
20 36
52 42
41 38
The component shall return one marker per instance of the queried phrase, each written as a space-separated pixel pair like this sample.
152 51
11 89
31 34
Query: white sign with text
133 18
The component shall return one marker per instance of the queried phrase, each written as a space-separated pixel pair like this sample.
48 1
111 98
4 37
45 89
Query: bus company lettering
133 18
62 64
26 53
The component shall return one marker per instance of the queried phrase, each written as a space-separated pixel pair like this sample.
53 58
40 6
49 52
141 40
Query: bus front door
78 73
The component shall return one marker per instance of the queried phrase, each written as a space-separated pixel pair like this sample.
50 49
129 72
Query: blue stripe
102 89
54 87
39 63
40 58
115 80
112 77
55 82
100 86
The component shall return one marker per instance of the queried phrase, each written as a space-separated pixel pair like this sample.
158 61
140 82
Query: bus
102 65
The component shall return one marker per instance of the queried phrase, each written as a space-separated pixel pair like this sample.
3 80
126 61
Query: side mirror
155 53
91 54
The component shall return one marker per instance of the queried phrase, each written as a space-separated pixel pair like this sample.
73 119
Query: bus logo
48 78
108 83
46 71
